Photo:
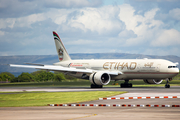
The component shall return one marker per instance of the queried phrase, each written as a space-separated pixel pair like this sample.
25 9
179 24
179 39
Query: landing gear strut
126 84
167 83
96 86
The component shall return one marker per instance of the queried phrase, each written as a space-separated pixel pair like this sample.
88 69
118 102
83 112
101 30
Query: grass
47 84
84 83
22 99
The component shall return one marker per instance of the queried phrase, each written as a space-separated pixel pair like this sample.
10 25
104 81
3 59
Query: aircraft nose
176 71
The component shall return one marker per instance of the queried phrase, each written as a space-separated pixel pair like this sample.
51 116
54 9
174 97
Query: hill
50 59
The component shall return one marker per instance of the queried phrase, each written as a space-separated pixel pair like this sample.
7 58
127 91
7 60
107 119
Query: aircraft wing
62 69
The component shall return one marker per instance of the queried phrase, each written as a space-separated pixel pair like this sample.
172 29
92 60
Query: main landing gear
96 86
126 84
167 82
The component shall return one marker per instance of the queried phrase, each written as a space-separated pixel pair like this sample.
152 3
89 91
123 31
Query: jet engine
152 81
99 78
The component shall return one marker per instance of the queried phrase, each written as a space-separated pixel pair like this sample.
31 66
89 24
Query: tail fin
61 50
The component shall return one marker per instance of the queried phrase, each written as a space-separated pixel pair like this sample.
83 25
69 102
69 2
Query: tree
50 76
25 77
9 74
15 79
43 75
70 77
59 77
5 77
37 72
66 76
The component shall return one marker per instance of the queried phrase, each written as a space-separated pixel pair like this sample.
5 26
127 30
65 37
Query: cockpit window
172 66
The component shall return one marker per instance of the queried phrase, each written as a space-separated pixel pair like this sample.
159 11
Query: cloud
161 51
101 20
146 5
19 8
167 38
175 14
82 42
170 18
138 23
127 34
72 3
145 27
21 21
86 26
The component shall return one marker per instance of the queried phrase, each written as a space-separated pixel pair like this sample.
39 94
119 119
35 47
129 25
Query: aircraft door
158 67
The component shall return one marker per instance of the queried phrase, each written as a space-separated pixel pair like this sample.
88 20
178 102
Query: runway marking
114 105
152 97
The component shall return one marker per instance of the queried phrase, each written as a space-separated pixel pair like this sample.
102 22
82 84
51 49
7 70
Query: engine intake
152 81
99 78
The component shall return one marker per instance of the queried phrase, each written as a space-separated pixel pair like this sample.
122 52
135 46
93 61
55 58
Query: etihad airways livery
100 72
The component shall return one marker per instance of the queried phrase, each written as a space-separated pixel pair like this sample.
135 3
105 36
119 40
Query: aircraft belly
119 77
153 75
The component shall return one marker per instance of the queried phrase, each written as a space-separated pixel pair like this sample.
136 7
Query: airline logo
75 65
56 36
78 65
117 65
60 52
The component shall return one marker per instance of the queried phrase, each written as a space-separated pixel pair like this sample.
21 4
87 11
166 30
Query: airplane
101 71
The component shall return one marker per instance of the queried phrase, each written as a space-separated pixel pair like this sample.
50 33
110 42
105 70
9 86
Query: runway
96 113
79 113
72 89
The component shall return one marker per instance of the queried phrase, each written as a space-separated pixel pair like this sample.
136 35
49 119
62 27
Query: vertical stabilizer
61 50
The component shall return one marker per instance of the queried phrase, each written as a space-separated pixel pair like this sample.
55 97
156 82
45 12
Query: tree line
37 76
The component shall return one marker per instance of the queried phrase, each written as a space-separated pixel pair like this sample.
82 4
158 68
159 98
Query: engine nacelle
152 81
100 78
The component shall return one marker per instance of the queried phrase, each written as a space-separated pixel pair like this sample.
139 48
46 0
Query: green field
84 83
15 99
22 99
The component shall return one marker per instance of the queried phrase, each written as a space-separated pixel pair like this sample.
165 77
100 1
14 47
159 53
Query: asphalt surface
96 113
72 89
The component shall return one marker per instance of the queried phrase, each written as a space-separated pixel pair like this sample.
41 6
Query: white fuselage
129 68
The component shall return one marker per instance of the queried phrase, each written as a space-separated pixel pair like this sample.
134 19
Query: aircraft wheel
167 86
126 85
96 86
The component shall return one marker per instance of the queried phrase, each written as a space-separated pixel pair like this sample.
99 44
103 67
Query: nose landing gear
167 82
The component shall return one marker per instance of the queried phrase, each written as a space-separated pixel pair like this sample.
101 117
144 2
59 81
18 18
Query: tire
126 85
96 86
167 86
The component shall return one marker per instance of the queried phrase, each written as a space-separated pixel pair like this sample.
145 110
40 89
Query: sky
150 27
